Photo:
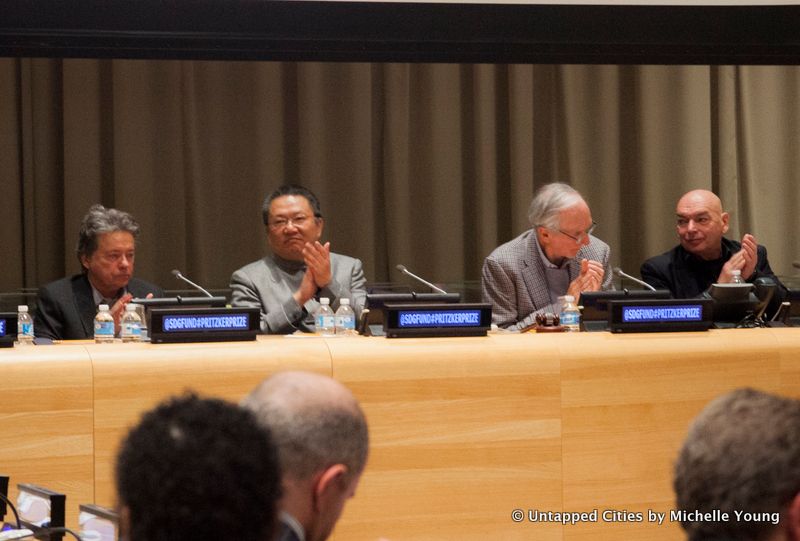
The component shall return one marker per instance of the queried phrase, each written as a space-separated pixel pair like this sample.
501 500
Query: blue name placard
660 315
205 322
436 319
657 314
408 319
2 327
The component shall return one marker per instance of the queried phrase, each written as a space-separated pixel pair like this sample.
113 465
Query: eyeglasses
580 238
298 221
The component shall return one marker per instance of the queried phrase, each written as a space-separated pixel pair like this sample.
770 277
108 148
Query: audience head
742 455
198 469
322 441
293 217
106 248
701 223
562 220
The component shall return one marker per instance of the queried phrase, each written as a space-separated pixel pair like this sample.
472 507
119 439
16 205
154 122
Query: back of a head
740 457
198 469
549 201
314 420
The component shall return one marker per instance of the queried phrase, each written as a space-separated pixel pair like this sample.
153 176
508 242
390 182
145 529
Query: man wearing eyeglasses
557 256
288 283
704 256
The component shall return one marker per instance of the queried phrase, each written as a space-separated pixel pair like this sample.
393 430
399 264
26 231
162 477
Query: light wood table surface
463 430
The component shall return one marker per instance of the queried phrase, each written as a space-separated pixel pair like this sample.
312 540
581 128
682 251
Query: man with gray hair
106 250
322 440
737 477
557 256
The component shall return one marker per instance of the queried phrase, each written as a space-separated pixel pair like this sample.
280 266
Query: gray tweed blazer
513 279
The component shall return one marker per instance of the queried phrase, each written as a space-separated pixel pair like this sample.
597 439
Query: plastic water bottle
324 318
131 325
103 325
345 318
736 277
570 315
24 326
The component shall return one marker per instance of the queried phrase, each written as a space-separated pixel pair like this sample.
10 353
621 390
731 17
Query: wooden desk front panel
627 403
132 378
46 422
464 431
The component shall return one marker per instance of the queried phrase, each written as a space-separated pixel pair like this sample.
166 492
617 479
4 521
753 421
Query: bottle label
132 329
104 328
325 322
347 322
570 318
25 329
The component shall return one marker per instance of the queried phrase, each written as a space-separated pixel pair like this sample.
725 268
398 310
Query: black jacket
66 308
688 276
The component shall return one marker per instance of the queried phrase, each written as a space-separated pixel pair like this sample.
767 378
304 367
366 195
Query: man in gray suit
557 256
288 283
322 440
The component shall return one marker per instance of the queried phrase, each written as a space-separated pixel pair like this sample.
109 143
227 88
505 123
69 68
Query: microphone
404 270
618 272
180 276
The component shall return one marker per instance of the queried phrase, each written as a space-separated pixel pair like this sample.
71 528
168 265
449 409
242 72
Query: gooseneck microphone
404 270
180 276
618 272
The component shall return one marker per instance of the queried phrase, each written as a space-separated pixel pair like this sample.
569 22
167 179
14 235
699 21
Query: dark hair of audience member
200 469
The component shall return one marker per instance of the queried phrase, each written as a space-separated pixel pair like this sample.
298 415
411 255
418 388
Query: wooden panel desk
46 431
132 378
463 431
626 405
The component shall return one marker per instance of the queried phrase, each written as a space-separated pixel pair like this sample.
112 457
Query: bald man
704 256
322 440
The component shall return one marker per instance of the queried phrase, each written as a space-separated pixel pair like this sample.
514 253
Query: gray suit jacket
269 285
513 279
65 308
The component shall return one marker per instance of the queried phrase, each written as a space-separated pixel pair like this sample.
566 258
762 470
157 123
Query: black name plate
437 319
204 324
8 329
664 315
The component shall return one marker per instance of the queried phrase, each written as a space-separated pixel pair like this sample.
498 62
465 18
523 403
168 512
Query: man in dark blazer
557 256
704 256
106 248
288 283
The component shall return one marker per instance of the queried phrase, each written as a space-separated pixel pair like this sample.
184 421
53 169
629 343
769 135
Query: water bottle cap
569 298
345 302
736 272
22 308
130 307
103 307
324 300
